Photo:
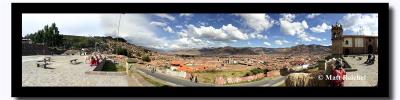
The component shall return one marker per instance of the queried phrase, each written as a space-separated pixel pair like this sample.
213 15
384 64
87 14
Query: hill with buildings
107 45
228 50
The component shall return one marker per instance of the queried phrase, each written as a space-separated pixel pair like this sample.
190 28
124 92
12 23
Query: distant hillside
103 44
309 49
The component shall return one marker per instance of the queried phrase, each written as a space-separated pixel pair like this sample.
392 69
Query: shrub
121 51
146 58
257 70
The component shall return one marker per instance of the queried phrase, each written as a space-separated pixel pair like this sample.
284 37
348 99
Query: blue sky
197 30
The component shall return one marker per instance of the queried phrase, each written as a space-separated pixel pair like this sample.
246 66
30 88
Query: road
265 82
171 79
182 82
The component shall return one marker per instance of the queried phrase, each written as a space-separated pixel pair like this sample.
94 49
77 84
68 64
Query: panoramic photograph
200 50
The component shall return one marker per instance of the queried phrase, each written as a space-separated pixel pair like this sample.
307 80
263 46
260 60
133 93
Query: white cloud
162 24
135 28
257 36
186 14
167 16
315 38
179 26
258 22
168 29
280 42
267 43
366 24
202 23
292 28
225 33
313 15
284 41
304 37
265 37
288 17
320 28
234 32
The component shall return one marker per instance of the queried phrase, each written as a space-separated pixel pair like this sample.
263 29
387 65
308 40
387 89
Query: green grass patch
209 77
248 81
110 66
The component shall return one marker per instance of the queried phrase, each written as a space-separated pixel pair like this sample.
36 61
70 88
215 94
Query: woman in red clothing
338 72
93 61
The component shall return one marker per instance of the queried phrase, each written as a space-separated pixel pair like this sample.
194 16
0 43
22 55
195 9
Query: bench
46 59
73 61
41 64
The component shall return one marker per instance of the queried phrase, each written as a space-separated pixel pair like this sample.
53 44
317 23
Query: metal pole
119 23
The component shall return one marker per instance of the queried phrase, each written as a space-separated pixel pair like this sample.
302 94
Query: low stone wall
273 73
106 73
233 80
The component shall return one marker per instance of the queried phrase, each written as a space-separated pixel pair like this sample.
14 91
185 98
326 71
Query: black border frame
381 8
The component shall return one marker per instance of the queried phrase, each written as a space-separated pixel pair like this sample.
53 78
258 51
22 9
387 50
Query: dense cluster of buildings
234 62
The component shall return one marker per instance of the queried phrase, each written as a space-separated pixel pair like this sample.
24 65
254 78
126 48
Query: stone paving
62 73
370 72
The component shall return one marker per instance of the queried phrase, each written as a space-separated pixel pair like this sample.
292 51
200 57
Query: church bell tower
337 38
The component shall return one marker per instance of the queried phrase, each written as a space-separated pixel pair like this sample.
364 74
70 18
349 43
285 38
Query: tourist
153 69
370 60
97 59
191 77
92 61
369 57
195 79
338 72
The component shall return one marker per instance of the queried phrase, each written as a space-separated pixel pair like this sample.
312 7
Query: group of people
153 69
193 78
339 71
94 59
370 60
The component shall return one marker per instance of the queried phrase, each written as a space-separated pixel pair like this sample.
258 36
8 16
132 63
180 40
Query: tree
48 35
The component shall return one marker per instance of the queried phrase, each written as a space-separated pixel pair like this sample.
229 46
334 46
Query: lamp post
119 24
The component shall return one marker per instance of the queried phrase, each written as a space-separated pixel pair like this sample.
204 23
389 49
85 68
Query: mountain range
228 50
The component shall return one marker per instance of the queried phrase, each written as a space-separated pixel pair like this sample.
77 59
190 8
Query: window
370 40
359 42
347 42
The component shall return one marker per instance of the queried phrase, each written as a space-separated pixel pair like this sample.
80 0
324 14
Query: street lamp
119 24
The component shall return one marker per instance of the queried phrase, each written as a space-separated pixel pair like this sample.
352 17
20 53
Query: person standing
191 77
92 61
338 72
195 79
